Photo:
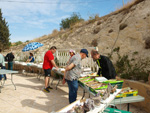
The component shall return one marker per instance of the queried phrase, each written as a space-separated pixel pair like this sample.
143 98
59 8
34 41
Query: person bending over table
31 58
48 65
72 73
106 68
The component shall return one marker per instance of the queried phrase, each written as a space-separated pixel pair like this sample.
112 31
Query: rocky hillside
127 28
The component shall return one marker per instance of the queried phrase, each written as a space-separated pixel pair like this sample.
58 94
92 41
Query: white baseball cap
71 50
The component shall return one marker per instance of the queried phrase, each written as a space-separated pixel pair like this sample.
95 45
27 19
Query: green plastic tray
112 110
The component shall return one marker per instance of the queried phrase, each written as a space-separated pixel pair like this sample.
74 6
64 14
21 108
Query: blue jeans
4 75
73 88
10 65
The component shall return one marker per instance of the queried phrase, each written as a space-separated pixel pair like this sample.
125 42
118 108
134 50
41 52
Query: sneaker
46 90
49 87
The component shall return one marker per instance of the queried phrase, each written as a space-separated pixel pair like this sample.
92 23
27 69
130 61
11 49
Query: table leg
58 81
2 84
38 75
12 81
128 106
52 81
83 94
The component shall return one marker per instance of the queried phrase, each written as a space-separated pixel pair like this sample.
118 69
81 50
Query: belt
74 79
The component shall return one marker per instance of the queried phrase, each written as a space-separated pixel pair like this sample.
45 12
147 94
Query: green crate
84 78
92 90
115 82
112 110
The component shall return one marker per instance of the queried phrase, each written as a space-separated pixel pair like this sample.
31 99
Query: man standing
106 68
72 73
48 65
2 65
10 57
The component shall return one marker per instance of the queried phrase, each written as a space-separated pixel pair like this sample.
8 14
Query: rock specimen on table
97 99
114 89
78 109
70 111
107 92
89 105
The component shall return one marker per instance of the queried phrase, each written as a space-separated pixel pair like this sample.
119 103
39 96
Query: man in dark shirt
10 57
106 68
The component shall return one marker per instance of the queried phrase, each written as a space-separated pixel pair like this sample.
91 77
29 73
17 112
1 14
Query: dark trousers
10 65
73 88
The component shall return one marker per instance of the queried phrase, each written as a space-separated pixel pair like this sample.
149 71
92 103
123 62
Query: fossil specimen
79 109
107 92
88 105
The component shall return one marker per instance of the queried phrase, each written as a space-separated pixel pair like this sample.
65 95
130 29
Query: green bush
18 43
66 23
130 68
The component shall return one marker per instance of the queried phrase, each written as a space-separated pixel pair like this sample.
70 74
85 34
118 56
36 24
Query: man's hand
63 81
57 68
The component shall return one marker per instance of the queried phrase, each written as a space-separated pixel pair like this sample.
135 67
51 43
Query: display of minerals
88 105
127 91
96 86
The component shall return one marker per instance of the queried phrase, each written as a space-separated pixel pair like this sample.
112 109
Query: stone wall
143 90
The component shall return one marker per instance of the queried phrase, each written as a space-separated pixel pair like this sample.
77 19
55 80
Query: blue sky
31 20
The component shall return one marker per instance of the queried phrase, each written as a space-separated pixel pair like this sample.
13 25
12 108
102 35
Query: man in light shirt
72 74
2 65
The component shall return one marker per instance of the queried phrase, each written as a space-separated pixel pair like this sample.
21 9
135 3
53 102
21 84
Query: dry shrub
96 30
93 18
127 6
147 43
118 10
77 24
97 17
94 42
122 26
44 37
111 30
55 32
99 22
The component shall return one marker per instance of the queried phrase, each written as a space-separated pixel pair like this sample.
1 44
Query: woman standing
72 53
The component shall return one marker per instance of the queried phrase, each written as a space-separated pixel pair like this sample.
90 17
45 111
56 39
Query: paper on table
101 79
83 75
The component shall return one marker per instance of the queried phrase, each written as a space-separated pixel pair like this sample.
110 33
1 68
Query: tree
66 23
18 43
4 33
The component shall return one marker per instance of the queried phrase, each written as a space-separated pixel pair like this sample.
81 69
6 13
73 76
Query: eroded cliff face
129 30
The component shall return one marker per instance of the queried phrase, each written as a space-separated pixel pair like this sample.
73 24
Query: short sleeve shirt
47 60
32 58
75 72
2 60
